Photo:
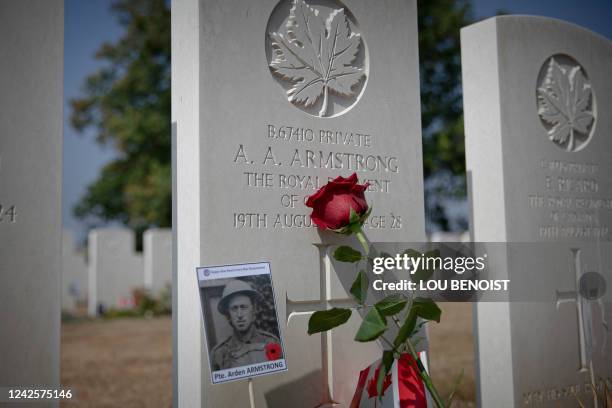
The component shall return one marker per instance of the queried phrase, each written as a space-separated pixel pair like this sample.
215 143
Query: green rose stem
422 372
354 227
362 240
426 379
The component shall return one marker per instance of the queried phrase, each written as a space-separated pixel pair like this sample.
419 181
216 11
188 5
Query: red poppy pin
273 351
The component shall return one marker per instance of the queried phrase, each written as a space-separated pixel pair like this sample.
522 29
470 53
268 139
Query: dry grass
118 363
128 362
451 349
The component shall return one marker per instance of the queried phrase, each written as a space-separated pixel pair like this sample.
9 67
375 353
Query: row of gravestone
115 270
110 273
268 101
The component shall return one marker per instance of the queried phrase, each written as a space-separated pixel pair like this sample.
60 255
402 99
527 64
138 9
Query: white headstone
157 252
74 274
537 98
250 144
31 82
446 236
115 269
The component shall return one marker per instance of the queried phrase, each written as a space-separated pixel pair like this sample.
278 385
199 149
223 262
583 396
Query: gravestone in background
157 253
115 269
31 81
263 116
537 99
74 274
444 236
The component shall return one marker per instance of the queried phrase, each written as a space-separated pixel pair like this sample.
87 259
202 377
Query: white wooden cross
325 302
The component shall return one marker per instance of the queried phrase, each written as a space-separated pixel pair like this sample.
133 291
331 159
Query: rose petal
312 198
333 202
360 188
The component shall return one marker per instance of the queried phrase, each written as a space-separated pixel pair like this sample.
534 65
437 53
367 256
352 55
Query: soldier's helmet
236 287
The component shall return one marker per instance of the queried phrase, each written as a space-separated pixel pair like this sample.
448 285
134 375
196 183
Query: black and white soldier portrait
240 320
247 344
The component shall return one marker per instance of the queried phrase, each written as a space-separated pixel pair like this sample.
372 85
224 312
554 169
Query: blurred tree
128 104
442 110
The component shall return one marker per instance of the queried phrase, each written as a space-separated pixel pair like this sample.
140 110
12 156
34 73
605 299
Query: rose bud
333 204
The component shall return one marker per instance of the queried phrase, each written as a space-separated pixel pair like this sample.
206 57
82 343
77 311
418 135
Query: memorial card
240 320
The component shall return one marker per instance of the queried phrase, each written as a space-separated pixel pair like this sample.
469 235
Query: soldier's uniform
233 352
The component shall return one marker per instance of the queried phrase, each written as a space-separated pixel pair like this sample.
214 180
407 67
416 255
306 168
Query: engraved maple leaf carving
316 55
564 102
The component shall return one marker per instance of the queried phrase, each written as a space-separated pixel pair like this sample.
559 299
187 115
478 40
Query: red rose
273 351
331 204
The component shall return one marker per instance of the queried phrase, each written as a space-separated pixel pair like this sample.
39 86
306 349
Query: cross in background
575 297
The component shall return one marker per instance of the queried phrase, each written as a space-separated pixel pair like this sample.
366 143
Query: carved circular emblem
566 103
317 55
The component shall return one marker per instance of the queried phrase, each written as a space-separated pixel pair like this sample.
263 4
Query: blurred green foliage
440 22
146 304
128 104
